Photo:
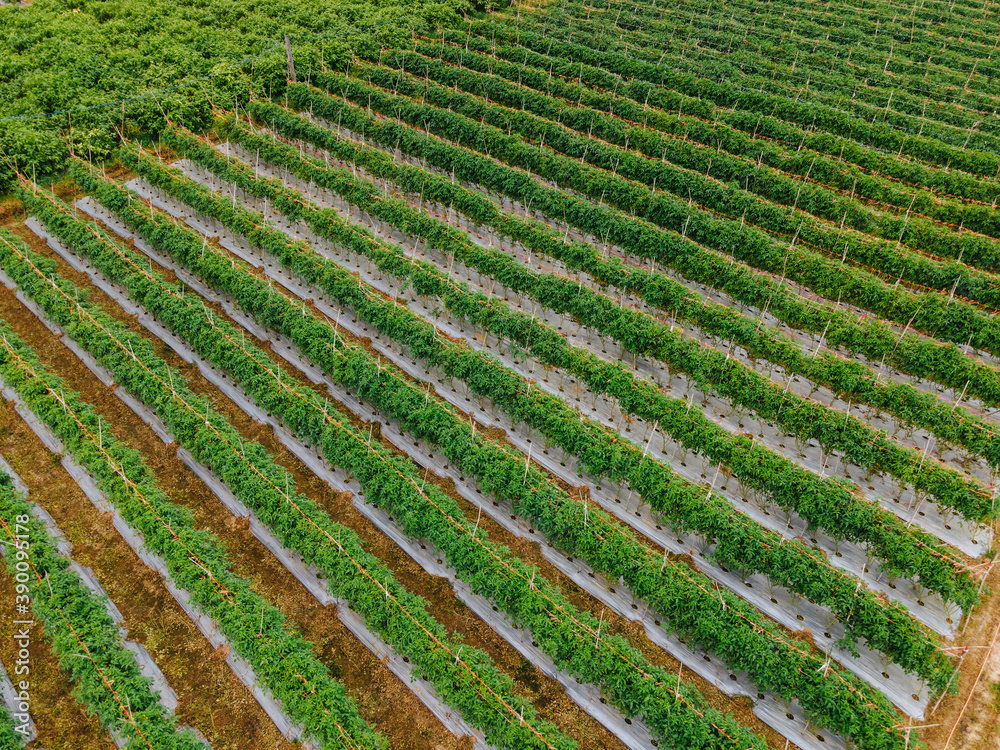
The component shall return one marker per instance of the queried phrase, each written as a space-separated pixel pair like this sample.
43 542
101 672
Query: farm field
567 375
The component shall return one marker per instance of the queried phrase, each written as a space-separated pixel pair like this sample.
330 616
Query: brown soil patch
383 699
970 719
152 616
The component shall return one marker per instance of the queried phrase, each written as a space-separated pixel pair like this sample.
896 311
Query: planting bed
897 685
593 375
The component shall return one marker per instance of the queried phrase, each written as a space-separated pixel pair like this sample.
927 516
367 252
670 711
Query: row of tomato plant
938 314
283 661
924 218
600 450
688 602
916 355
645 165
935 145
952 197
933 63
969 28
949 486
468 681
108 681
854 167
853 381
760 124
672 708
741 542
504 83
757 62
826 503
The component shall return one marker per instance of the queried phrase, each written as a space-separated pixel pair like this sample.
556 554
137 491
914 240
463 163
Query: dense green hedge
81 54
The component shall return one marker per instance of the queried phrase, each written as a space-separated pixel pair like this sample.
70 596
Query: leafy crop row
592 79
852 381
714 619
109 683
826 503
691 605
742 543
733 185
916 355
869 38
256 630
670 707
825 186
755 64
877 34
468 681
938 314
750 101
874 451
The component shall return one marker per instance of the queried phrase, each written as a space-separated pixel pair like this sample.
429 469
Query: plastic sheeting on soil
147 666
307 576
789 609
796 729
887 677
587 696
205 624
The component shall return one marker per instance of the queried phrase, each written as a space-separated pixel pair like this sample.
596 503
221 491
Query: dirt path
61 722
383 699
152 616
970 719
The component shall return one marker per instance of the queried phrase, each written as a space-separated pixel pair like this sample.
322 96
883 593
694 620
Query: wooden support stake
291 62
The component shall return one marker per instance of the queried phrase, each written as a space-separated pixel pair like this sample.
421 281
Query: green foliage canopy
60 55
